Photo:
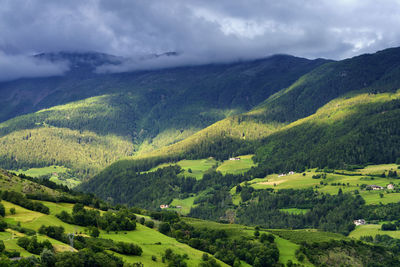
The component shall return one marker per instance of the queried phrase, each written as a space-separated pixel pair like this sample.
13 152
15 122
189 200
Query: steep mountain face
109 116
358 128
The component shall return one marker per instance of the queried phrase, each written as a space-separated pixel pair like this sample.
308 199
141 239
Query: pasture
344 180
306 235
154 243
37 172
151 241
192 168
237 166
372 230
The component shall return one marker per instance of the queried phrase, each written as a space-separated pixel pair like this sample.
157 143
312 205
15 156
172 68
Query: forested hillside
348 131
357 128
244 133
130 113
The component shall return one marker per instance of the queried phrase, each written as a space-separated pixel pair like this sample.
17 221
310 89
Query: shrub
164 228
388 227
149 224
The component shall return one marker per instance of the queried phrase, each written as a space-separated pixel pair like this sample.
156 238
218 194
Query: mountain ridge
147 109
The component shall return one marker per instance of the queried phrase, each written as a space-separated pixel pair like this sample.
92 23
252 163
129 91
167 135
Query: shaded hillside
131 113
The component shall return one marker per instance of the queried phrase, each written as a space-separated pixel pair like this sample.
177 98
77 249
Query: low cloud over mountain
200 31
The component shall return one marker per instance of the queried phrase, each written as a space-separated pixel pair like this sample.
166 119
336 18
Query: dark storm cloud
200 31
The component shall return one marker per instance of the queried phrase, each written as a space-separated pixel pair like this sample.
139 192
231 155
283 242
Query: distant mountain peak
81 60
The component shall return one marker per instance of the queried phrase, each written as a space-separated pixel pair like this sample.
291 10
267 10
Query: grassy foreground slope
147 238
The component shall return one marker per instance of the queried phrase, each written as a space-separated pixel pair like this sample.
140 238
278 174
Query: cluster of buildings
359 222
284 174
378 187
167 206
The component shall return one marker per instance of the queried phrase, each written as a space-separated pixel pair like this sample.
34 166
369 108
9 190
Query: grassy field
56 174
237 166
232 230
372 230
349 181
197 167
145 237
186 204
148 239
33 220
306 235
8 181
287 251
11 244
26 218
70 182
378 169
36 172
373 197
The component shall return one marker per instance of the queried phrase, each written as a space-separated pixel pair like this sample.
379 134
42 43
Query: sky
201 31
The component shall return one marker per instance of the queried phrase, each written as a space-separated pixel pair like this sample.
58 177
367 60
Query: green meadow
58 174
345 180
232 230
185 204
15 183
36 172
193 168
306 235
237 166
287 250
154 243
377 170
372 230
33 220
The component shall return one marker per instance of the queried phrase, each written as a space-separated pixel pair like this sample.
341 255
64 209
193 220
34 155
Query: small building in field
375 187
359 222
164 206
390 186
234 158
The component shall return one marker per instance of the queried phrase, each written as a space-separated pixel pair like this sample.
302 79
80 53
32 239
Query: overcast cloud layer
201 31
